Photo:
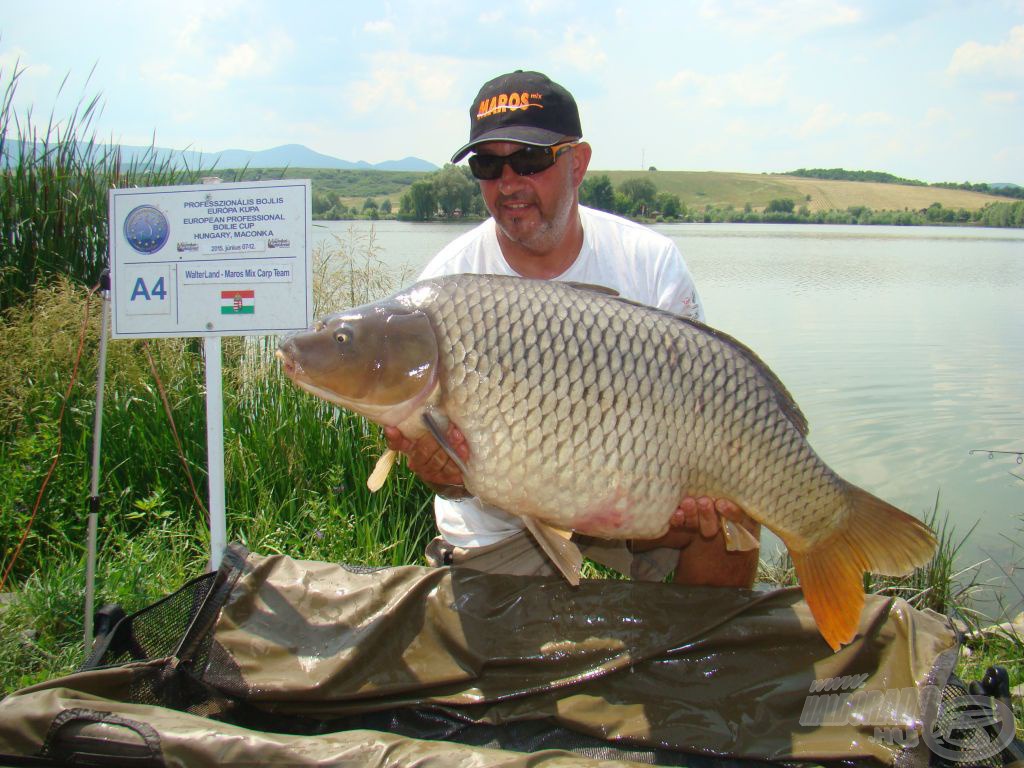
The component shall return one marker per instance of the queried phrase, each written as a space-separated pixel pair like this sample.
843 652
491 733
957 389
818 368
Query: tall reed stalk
54 179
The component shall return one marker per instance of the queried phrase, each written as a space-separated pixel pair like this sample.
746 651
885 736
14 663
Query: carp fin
381 471
875 537
442 439
558 546
738 538
593 288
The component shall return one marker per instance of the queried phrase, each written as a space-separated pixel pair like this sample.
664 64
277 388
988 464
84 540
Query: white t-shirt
635 261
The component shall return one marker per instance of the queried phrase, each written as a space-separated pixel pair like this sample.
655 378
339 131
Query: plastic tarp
306 663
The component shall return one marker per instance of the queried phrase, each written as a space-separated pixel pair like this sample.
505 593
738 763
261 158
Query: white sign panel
211 260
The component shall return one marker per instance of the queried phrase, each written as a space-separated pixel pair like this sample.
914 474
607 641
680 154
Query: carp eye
343 337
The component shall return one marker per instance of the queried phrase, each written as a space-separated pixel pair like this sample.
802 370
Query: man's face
534 211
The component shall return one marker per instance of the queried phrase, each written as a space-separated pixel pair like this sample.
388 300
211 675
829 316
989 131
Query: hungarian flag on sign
238 302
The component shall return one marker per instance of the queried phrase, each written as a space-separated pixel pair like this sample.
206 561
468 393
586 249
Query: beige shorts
520 555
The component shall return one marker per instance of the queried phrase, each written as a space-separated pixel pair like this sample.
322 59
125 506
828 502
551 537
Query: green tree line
786 211
841 174
636 198
449 193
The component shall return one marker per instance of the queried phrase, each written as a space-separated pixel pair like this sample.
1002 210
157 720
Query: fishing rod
991 453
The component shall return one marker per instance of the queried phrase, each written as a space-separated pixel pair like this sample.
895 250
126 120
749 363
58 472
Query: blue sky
930 90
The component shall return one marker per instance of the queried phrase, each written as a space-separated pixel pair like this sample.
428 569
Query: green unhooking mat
274 661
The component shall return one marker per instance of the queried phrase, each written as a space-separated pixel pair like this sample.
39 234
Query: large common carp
585 412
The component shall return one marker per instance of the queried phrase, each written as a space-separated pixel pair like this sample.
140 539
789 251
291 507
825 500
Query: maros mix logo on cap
505 102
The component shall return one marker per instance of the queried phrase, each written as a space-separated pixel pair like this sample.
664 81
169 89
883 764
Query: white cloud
1005 58
581 51
382 27
740 128
251 59
405 80
791 18
936 116
1010 157
999 98
205 54
822 120
874 119
241 61
759 85
18 58
491 17
190 27
888 40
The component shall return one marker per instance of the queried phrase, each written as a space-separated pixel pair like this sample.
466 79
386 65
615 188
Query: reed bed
56 175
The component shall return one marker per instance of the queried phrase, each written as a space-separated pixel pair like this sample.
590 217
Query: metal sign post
94 480
215 449
212 260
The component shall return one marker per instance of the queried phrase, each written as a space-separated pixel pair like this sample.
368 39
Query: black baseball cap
524 107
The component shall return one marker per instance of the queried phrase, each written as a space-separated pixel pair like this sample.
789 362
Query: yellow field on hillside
827 195
700 188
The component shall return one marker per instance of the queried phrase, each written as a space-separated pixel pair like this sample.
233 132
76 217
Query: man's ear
580 162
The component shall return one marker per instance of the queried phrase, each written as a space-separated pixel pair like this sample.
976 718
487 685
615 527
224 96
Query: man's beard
542 231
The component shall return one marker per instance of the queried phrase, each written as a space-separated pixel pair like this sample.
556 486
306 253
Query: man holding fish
586 418
530 160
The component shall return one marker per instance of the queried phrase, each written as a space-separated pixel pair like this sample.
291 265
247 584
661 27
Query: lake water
904 346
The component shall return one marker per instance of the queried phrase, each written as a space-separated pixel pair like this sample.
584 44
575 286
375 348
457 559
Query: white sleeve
675 288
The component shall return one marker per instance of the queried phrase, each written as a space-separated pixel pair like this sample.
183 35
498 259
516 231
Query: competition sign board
211 260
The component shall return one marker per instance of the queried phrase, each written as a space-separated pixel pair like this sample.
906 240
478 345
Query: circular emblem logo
146 229
973 728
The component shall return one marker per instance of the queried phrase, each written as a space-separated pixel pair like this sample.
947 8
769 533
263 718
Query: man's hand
427 458
702 514
697 518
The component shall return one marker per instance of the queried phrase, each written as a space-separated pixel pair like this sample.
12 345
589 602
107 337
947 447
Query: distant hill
841 174
701 188
286 156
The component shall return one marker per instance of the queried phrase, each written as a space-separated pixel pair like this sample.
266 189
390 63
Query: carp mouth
379 361
288 364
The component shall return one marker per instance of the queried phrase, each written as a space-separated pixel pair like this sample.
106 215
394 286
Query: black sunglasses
526 162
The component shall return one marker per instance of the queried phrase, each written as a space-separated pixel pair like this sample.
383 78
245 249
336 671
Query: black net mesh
156 631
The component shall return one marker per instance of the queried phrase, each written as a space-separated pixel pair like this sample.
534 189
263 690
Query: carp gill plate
585 412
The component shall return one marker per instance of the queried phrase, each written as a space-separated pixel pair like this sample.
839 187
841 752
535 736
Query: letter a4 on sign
147 291
237 302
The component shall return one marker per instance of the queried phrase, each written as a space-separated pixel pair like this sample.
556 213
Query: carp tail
875 537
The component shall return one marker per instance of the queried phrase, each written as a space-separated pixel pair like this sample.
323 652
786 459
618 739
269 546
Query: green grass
697 189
